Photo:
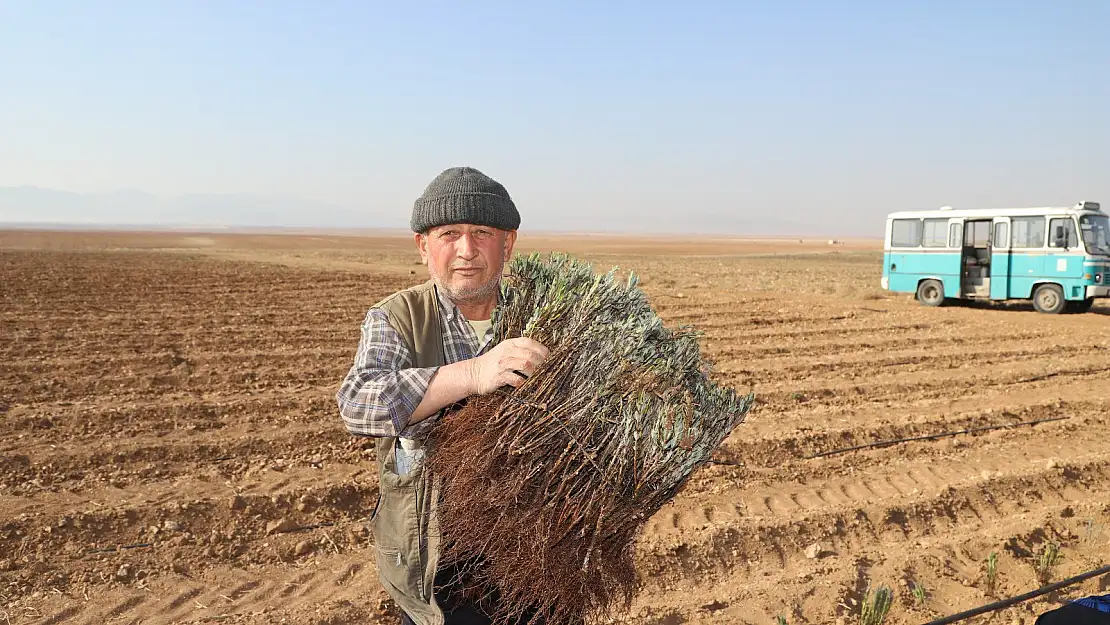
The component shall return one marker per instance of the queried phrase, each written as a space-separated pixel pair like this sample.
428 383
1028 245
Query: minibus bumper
1098 291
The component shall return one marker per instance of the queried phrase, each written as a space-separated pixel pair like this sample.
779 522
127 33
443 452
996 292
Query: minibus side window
1061 232
1000 235
905 233
1028 232
934 233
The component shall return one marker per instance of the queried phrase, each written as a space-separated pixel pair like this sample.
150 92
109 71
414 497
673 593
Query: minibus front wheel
930 292
1049 299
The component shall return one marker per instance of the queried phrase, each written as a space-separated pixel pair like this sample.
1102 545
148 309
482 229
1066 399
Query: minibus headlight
1098 278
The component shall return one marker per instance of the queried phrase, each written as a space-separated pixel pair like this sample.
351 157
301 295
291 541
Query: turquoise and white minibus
1059 257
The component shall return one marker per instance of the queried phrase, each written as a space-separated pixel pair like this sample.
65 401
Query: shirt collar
450 310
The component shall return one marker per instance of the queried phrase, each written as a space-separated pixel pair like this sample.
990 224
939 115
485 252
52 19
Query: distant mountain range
38 206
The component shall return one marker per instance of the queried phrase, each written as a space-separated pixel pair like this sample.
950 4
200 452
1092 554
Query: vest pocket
396 529
390 557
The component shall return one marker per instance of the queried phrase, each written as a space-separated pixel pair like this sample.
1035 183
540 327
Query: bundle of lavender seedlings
545 487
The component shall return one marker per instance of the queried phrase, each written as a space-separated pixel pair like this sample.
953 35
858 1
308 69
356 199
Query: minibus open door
1000 259
975 259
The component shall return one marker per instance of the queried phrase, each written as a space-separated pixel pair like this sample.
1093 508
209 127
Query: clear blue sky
594 115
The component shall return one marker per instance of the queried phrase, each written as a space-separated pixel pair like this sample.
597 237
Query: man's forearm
450 384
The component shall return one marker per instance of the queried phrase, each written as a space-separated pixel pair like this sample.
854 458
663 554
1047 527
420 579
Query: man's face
466 260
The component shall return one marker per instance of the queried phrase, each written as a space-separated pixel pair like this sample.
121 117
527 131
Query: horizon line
136 228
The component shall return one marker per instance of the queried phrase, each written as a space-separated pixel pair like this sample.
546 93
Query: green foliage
637 390
876 606
919 594
1046 561
992 572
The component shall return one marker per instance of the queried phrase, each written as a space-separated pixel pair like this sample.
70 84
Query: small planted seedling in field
919 595
992 572
780 620
1092 531
1046 561
876 605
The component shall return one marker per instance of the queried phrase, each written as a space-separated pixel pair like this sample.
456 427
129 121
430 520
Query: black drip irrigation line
908 439
120 548
303 528
998 605
933 436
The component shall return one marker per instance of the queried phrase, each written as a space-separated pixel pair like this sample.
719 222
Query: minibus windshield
1096 233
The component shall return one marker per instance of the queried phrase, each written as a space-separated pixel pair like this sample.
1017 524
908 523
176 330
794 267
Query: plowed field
170 451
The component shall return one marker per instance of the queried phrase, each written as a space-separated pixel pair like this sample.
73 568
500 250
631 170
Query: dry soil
170 450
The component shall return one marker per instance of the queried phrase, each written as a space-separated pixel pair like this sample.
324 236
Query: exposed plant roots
545 487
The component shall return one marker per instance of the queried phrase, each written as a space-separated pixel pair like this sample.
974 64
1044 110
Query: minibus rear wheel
930 292
1049 299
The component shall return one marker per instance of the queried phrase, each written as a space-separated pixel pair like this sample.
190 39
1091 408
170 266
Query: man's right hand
499 366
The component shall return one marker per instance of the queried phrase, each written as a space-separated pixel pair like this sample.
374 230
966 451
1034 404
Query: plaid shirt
382 388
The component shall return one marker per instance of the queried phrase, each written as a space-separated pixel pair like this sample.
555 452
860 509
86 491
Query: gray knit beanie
464 195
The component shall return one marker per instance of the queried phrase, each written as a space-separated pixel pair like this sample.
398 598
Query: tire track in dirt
973 351
223 456
839 474
181 416
333 584
912 386
258 522
197 360
778 449
151 387
864 510
799 369
777 524
724 349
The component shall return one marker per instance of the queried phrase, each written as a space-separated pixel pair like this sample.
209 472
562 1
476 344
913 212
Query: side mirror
1060 239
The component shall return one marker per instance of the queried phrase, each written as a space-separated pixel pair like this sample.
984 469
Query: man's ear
510 241
421 246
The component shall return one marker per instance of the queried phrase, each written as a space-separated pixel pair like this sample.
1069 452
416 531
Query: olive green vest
404 524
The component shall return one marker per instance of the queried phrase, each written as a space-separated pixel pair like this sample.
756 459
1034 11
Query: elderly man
423 350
